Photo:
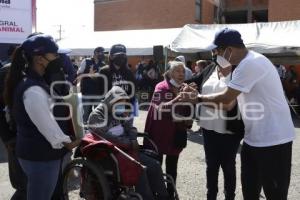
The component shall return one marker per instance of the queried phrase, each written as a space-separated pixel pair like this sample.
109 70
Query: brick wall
235 3
260 2
207 12
148 14
143 14
282 10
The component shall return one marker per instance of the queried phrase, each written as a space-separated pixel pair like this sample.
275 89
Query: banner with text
15 20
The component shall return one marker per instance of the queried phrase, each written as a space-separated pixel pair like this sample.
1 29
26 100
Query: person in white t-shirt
269 130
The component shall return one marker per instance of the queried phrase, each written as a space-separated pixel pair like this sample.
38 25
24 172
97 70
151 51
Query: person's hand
189 88
170 103
92 71
72 144
193 85
188 96
77 79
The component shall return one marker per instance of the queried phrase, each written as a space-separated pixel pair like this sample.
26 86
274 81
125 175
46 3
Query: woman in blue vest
41 144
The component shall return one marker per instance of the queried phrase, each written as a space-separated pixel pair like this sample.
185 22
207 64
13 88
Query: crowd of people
236 96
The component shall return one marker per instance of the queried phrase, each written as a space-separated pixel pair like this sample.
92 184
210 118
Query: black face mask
54 72
120 60
101 57
54 66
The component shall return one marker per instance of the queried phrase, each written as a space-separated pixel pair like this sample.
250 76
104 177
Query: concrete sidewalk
191 182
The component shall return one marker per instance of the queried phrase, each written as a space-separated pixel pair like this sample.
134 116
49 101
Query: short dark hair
99 49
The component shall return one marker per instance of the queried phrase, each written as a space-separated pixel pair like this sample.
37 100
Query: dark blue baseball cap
117 49
226 37
99 49
39 45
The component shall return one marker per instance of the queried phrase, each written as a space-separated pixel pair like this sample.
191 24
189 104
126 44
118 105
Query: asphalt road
191 183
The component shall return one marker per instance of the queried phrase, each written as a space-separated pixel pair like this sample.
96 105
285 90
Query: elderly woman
168 134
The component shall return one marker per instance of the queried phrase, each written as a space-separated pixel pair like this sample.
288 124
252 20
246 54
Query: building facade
143 14
150 14
283 10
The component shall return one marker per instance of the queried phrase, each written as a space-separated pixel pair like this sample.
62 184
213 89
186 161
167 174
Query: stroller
102 171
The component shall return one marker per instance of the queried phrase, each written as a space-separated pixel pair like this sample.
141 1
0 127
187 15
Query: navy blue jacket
31 144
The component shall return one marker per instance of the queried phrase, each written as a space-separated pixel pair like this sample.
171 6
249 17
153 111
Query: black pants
268 168
151 184
171 169
17 176
220 151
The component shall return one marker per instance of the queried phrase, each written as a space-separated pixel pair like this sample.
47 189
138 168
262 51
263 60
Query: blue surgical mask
120 109
174 83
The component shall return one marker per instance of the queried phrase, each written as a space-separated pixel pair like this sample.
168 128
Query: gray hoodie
101 120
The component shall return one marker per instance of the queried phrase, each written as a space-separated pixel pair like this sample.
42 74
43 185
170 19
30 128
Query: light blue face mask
174 83
120 109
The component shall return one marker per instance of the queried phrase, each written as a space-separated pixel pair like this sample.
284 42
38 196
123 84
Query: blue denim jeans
42 178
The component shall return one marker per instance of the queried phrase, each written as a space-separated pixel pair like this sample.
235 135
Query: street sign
17 18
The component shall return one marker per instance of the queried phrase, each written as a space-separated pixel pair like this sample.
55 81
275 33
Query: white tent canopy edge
137 42
271 37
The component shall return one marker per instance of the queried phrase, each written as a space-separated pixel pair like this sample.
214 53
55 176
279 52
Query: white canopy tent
137 42
271 37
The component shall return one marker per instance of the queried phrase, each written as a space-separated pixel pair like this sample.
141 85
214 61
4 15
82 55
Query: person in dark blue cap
64 72
88 87
93 64
41 143
269 131
117 73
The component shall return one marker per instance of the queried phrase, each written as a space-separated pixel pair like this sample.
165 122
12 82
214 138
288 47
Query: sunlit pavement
191 170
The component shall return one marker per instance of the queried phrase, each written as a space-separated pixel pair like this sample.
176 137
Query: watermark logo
202 111
7 2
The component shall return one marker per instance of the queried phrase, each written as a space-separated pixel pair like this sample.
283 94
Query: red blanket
96 148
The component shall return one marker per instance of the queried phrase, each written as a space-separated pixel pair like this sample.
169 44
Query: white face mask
174 83
223 62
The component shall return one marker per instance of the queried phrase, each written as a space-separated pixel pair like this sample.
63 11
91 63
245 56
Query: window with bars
198 13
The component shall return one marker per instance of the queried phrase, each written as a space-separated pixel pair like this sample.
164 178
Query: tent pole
166 58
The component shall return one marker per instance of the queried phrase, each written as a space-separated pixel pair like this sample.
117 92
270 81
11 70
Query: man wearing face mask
269 132
221 137
93 64
88 85
117 72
